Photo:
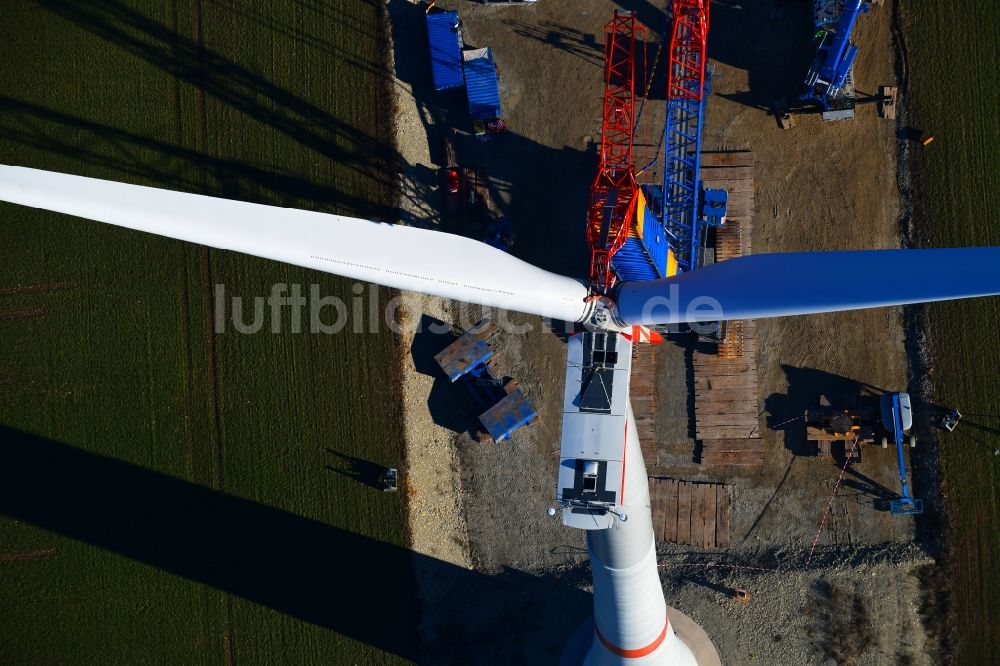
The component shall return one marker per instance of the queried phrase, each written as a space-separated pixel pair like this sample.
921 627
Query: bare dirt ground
818 186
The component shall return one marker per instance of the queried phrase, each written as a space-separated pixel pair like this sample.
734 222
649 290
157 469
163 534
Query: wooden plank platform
683 512
726 389
642 392
657 497
733 172
669 511
722 517
691 513
727 158
741 452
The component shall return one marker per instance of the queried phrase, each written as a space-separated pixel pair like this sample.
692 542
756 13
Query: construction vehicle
829 82
389 480
897 418
688 208
450 186
950 420
847 423
500 234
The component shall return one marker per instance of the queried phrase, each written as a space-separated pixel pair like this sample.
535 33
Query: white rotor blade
777 285
431 262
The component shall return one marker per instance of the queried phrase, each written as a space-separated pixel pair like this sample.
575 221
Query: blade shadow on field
309 570
235 85
164 164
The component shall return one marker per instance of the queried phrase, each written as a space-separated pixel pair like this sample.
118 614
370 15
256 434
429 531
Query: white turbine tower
602 483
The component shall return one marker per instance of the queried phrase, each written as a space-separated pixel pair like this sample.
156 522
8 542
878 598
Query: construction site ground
818 186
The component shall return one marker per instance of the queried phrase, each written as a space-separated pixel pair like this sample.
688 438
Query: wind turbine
602 485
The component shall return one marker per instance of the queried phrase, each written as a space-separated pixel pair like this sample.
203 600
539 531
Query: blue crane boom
893 407
686 205
835 54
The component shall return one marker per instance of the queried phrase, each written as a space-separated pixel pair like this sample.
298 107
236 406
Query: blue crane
835 54
686 205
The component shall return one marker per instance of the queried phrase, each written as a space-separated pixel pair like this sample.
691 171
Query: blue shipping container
481 84
445 41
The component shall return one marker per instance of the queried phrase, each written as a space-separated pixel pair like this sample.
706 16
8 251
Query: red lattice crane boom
688 48
613 193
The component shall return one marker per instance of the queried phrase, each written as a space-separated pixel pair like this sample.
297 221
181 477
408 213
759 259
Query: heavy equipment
840 419
835 53
897 418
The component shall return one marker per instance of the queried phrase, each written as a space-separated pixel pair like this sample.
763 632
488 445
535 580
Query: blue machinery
680 175
835 56
893 416
686 206
470 358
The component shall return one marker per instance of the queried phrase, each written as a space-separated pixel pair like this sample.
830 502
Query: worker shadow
776 59
786 411
355 585
569 550
448 404
363 471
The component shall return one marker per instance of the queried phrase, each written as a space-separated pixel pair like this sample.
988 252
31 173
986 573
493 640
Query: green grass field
169 495
953 58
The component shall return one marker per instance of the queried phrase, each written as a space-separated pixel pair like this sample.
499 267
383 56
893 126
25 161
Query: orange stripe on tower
639 652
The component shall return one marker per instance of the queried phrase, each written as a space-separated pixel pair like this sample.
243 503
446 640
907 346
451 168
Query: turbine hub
603 315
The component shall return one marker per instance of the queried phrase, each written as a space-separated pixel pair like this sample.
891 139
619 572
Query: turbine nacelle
592 453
